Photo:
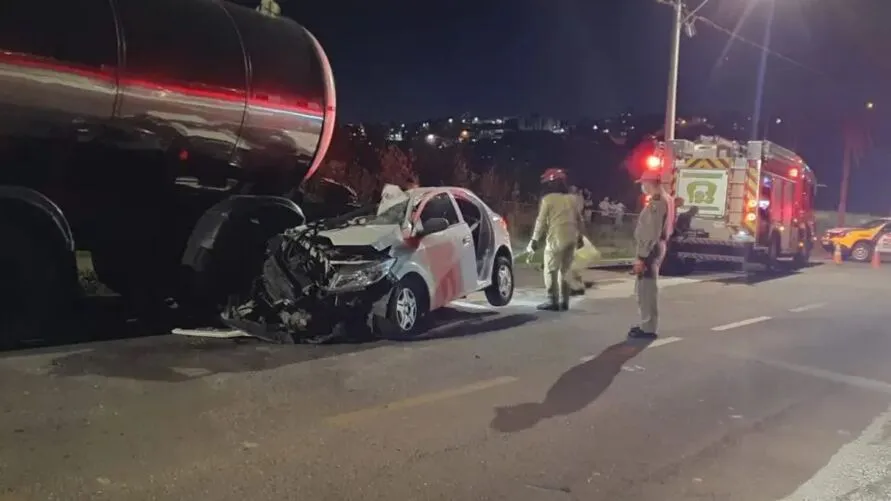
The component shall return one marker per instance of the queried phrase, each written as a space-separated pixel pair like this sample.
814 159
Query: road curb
612 263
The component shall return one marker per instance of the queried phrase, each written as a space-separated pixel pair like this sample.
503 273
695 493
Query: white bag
585 256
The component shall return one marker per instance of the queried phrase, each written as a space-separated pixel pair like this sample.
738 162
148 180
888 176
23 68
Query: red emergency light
653 162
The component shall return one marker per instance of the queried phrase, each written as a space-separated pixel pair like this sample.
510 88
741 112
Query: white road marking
655 344
741 323
209 333
835 377
859 470
807 307
471 306
663 341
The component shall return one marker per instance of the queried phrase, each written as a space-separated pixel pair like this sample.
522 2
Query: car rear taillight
503 222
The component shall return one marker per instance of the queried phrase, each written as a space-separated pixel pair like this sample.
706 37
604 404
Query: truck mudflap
290 302
711 250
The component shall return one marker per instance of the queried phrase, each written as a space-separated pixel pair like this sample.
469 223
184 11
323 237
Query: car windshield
392 215
872 223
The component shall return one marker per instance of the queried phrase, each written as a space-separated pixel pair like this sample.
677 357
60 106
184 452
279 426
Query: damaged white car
379 269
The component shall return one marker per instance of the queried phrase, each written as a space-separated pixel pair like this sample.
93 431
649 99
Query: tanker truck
168 138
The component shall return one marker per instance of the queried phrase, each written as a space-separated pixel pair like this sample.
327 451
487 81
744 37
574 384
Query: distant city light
431 138
870 105
779 120
451 120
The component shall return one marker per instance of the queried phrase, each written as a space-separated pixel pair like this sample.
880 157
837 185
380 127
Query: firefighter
559 227
651 234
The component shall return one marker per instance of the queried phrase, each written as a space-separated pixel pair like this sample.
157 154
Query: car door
883 240
445 254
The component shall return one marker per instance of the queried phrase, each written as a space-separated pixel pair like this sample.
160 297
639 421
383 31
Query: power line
693 16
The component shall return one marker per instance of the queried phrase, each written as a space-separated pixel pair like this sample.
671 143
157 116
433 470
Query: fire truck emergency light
653 162
793 172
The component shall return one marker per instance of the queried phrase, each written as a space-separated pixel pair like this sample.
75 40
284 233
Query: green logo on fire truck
701 193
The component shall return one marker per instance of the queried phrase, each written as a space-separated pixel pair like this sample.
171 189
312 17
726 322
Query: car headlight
349 277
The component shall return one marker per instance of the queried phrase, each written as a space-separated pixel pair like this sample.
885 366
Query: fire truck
754 201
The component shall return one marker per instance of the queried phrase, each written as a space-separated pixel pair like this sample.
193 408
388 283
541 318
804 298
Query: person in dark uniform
685 219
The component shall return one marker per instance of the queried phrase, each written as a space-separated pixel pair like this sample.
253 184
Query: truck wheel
861 252
37 290
773 255
803 256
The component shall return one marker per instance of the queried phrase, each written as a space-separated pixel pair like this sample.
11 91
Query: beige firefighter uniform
649 237
559 225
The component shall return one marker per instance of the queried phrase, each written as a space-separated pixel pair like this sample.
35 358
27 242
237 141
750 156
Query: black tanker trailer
166 137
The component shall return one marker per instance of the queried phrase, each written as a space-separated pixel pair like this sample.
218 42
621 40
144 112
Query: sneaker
637 333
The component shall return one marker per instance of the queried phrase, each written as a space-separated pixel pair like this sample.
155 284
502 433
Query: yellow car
856 242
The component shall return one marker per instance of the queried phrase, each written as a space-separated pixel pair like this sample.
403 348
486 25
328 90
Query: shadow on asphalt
172 358
573 391
451 323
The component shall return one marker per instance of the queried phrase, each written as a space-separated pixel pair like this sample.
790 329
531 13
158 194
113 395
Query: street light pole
674 60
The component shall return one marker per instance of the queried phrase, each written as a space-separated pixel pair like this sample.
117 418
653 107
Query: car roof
451 189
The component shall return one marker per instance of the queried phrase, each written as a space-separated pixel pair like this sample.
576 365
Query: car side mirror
434 225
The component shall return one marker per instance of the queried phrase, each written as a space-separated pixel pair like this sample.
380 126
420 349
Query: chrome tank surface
202 94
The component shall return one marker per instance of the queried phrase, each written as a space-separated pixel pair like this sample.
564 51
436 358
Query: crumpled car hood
378 236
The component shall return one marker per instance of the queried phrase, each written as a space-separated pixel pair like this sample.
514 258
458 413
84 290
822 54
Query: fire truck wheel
803 256
861 252
773 254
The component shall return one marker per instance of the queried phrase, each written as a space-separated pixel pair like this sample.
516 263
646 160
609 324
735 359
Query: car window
469 210
392 215
872 224
440 206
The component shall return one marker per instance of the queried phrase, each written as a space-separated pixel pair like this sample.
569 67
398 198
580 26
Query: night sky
587 58
570 58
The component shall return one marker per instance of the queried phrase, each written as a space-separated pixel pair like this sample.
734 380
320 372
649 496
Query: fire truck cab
754 201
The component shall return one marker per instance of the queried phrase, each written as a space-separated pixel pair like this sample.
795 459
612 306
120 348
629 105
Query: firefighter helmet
554 174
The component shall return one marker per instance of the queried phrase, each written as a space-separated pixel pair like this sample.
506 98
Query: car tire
405 310
861 252
38 292
501 291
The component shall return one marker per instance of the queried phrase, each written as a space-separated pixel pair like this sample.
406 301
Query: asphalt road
773 390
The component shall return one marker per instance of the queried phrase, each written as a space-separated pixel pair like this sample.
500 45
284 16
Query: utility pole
671 100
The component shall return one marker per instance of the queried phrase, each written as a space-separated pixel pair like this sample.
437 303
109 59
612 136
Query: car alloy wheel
860 252
505 281
406 309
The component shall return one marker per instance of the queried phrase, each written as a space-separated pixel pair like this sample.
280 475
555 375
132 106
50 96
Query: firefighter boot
552 304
